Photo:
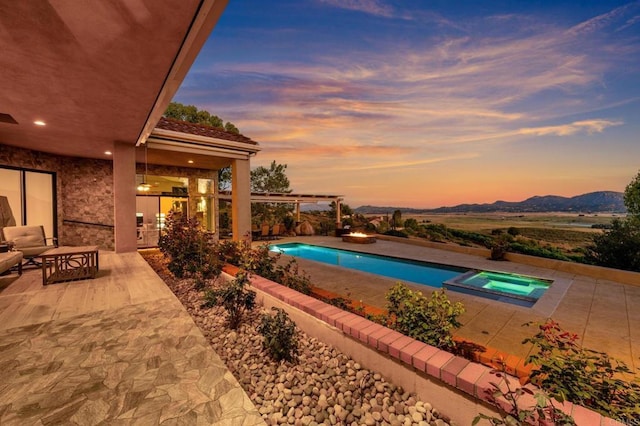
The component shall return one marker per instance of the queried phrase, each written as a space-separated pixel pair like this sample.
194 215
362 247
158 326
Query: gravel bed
325 387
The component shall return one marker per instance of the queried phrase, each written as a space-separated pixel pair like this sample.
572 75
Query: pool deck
604 313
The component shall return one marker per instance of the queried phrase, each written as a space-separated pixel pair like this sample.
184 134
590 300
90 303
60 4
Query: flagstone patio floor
119 349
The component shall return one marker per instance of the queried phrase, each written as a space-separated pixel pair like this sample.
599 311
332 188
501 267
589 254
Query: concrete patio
602 312
119 349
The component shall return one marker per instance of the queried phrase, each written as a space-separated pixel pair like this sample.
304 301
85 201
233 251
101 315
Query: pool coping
470 377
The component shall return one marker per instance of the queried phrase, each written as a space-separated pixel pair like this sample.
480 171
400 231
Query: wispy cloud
587 126
601 21
426 101
371 7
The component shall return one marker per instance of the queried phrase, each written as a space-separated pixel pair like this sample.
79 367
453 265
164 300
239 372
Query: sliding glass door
27 197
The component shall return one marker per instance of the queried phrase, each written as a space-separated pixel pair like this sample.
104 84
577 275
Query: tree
396 219
619 246
224 179
273 179
411 223
192 114
632 196
345 210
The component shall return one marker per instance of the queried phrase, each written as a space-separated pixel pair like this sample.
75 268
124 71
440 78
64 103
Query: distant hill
593 202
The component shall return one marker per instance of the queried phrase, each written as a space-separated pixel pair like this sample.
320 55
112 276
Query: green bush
567 371
280 335
500 246
396 233
543 412
292 277
232 252
513 231
428 320
190 250
234 298
618 247
532 248
474 237
260 261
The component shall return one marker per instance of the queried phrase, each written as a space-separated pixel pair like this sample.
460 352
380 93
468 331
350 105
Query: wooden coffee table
69 263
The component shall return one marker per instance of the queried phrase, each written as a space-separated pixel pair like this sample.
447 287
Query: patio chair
264 233
275 232
30 240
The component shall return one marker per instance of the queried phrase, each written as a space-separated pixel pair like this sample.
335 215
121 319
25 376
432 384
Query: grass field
564 230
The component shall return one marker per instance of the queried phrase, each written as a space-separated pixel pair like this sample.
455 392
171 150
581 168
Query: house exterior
84 86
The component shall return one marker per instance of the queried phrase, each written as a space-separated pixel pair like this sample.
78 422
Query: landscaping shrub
428 320
234 298
292 277
500 246
396 233
513 231
532 248
190 250
261 261
542 413
232 252
474 237
280 335
618 247
567 371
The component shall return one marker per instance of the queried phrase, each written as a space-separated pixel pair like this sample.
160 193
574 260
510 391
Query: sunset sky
430 103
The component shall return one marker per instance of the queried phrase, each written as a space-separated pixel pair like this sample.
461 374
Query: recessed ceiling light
39 123
107 152
190 161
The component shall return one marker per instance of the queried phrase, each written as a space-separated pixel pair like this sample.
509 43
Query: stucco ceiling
96 72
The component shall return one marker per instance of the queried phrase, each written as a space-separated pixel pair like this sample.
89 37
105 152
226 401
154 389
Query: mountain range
593 202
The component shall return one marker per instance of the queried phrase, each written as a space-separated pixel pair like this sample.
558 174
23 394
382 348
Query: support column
124 197
297 212
338 214
241 200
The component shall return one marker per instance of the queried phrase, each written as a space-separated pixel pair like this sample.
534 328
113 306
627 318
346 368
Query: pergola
291 198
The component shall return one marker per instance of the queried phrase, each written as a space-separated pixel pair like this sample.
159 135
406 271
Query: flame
358 235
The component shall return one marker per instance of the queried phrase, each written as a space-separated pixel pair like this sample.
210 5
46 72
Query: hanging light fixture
144 186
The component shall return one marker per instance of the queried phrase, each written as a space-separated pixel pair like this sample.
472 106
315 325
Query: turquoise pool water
504 287
402 269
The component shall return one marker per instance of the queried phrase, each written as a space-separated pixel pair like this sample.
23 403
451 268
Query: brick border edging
469 377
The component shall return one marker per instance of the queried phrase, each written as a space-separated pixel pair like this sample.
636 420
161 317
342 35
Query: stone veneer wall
87 196
84 190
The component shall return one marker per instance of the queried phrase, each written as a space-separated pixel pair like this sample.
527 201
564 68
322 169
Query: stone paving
145 363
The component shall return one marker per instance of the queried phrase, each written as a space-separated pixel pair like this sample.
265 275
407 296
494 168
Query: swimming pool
510 288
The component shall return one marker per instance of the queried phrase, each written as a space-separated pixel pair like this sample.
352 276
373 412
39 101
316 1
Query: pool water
402 269
504 287
519 289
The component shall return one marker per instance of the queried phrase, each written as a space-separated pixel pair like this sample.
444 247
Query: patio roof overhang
96 72
266 197
168 147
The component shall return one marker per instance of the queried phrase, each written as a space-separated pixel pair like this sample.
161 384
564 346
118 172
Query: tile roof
201 130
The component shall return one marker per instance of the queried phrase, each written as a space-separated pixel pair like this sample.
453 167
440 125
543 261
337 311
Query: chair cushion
9 260
24 236
33 251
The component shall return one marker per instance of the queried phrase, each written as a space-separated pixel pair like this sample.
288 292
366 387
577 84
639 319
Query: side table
69 263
